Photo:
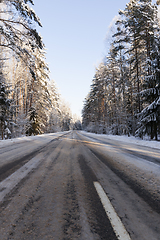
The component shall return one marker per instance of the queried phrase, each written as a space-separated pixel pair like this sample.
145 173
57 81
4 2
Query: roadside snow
43 138
126 139
135 164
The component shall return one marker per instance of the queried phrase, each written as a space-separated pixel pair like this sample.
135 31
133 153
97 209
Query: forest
124 96
29 101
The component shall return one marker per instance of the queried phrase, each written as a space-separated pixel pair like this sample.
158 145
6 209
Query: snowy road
77 185
15 153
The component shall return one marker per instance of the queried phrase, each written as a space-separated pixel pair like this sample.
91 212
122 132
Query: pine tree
132 73
4 108
33 126
38 90
135 34
54 110
149 118
27 72
16 21
65 116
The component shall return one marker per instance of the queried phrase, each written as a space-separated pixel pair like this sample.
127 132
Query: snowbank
42 138
126 139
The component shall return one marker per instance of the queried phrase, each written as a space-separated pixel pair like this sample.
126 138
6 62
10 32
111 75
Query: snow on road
13 152
10 182
45 137
131 159
17 148
139 168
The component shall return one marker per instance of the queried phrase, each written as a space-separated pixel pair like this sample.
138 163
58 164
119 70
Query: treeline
29 101
125 92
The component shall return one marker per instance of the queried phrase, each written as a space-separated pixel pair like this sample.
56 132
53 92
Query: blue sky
74 32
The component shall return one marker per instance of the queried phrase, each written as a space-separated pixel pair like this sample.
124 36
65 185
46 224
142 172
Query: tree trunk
2 134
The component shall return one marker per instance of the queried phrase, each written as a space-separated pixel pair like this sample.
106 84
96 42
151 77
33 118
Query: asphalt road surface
77 186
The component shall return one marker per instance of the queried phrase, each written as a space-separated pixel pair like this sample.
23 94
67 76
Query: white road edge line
10 182
116 223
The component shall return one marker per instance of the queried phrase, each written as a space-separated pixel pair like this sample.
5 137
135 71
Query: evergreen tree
129 83
33 126
77 125
4 108
16 27
54 110
65 116
149 118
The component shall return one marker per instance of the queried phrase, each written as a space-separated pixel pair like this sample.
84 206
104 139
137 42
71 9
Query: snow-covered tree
54 113
16 28
149 118
77 125
4 108
34 124
35 105
65 116
130 77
